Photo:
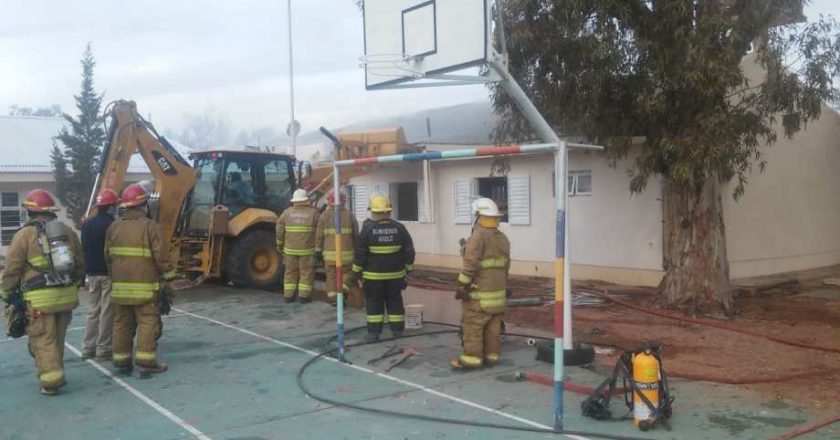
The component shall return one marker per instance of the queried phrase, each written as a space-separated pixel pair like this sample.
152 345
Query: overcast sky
226 57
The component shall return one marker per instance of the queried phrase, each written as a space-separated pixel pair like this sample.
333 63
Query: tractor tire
252 261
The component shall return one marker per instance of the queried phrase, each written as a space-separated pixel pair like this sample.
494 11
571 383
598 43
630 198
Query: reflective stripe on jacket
137 257
295 231
384 251
25 262
325 235
486 264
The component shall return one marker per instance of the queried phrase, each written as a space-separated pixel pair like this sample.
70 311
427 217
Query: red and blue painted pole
559 281
339 275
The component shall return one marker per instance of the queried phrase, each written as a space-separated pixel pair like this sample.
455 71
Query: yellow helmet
380 203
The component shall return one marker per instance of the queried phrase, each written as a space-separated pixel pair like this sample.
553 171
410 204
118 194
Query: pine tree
75 163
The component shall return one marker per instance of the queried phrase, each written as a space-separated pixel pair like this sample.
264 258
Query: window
261 182
512 194
351 198
405 200
239 189
580 183
11 217
204 191
278 185
496 189
9 199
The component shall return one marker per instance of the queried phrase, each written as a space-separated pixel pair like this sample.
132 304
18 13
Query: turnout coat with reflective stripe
295 232
485 268
25 261
325 235
384 250
137 258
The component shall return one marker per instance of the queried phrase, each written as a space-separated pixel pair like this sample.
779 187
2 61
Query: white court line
145 399
382 375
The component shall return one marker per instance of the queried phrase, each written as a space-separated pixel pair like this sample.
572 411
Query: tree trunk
697 268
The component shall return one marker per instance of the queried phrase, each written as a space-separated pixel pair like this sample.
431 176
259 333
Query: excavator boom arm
174 177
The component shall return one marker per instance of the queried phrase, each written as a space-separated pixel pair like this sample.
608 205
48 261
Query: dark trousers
383 297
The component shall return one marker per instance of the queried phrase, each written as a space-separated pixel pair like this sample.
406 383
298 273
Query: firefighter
296 241
384 255
44 264
138 259
100 321
482 288
325 242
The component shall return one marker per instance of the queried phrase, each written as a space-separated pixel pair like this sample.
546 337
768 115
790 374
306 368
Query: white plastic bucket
414 316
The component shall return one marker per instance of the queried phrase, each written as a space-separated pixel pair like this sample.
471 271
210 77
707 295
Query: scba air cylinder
61 254
647 380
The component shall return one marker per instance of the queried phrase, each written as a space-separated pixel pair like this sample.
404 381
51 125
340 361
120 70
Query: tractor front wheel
253 262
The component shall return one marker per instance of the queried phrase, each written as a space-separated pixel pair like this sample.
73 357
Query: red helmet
133 195
40 200
331 198
107 197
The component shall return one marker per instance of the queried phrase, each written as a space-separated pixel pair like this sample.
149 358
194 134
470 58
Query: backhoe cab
227 227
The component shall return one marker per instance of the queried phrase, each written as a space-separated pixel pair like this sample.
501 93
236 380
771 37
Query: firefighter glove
462 292
319 257
355 278
166 300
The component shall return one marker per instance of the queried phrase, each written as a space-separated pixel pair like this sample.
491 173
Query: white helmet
485 207
300 195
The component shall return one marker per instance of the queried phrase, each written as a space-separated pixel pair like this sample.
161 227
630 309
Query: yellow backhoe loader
219 212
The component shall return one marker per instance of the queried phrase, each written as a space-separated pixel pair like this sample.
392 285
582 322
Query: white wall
22 188
608 229
613 227
789 217
22 183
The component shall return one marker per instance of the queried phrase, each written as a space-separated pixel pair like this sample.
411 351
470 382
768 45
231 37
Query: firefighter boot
150 370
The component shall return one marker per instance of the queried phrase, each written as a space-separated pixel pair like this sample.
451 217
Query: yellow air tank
646 377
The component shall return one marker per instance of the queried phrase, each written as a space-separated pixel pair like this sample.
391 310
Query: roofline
40 118
230 151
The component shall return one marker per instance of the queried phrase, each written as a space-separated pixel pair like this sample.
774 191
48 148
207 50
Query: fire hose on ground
692 376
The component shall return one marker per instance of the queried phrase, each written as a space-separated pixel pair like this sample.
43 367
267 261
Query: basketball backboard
406 40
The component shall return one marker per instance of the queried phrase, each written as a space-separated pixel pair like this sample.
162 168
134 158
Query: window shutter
360 202
421 204
466 191
519 200
462 200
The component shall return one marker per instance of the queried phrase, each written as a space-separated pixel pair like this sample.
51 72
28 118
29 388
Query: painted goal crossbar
501 150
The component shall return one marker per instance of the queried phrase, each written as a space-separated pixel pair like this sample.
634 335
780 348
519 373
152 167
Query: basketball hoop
391 65
427 40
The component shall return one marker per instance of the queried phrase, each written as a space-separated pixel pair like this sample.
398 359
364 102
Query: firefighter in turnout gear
482 288
325 242
296 241
44 266
384 255
138 260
